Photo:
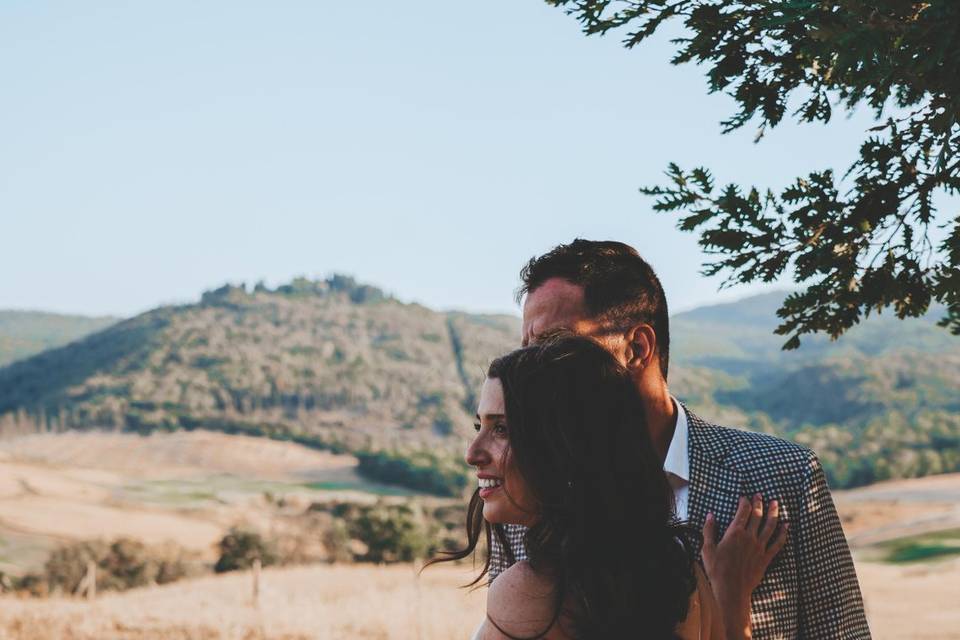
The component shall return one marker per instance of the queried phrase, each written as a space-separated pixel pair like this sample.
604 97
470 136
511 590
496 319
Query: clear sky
149 151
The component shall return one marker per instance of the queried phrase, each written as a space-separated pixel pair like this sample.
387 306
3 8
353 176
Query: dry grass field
368 602
190 486
912 602
356 602
179 454
186 486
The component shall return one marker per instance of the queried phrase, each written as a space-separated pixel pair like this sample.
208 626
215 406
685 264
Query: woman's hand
737 563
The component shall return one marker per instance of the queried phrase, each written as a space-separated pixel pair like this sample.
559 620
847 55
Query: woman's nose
476 454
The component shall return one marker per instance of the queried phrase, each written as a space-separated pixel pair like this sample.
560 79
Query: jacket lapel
715 485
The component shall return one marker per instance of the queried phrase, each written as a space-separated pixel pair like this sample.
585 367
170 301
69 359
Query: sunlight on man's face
556 304
559 304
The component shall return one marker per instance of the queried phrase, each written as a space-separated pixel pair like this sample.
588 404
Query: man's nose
476 454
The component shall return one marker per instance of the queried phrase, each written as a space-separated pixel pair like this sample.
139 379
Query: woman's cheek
503 458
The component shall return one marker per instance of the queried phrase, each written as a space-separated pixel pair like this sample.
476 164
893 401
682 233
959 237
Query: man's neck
661 414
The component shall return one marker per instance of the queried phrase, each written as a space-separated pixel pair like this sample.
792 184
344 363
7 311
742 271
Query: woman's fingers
770 522
742 516
778 541
756 514
709 539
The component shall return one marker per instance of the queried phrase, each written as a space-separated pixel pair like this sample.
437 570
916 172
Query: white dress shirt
677 463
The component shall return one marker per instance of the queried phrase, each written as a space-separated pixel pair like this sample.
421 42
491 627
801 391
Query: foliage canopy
857 242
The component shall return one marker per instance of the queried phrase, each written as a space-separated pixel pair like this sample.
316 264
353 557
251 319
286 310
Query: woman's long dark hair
605 530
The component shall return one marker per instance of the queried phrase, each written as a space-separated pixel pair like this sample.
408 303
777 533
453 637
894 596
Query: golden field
190 486
358 601
390 602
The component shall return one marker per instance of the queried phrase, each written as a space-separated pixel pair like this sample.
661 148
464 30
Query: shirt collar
677 461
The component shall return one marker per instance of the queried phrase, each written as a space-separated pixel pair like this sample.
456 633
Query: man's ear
641 347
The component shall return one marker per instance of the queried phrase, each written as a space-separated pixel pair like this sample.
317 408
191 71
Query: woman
562 448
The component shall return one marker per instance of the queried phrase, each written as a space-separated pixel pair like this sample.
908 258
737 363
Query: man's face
556 304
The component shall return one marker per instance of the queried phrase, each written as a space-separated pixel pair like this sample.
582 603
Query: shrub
122 564
392 533
336 540
240 547
426 471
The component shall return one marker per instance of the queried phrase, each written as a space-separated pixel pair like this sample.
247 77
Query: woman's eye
500 429
476 427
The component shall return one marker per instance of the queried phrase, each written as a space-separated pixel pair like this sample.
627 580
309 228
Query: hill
25 333
339 365
881 402
332 364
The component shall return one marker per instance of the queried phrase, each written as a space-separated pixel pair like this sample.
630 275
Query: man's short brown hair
620 288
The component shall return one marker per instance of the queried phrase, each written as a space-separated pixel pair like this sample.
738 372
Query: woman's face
506 498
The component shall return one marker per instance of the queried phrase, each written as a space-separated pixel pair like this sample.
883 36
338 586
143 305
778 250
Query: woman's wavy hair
605 528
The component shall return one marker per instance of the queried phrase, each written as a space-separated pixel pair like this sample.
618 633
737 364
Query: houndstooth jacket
810 590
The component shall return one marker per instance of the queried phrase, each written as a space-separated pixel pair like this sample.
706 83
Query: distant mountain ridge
841 380
746 327
881 402
25 333
339 364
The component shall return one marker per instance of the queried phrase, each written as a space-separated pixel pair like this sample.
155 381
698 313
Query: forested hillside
881 402
332 364
340 365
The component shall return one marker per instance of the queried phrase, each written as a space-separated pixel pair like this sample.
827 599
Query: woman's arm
737 563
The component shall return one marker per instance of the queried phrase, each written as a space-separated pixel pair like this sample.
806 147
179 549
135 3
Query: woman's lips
488 485
486 492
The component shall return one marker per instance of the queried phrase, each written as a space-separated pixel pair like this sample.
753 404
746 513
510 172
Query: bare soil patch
188 487
899 508
175 454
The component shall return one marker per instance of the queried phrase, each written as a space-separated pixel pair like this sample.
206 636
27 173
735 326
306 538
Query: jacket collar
715 485
705 440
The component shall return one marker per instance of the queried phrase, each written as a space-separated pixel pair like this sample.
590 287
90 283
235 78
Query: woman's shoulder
522 602
522 590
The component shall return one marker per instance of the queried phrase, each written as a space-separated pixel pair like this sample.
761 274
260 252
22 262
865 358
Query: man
605 290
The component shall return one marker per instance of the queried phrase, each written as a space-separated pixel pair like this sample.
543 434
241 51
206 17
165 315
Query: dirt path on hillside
899 508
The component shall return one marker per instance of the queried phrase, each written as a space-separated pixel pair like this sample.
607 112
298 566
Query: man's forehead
556 294
556 304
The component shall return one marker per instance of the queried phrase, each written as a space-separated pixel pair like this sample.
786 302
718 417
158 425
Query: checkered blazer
811 589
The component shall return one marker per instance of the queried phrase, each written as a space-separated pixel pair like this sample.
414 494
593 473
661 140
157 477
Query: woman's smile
502 490
488 485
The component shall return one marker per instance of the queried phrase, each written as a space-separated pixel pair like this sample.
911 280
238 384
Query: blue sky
149 151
